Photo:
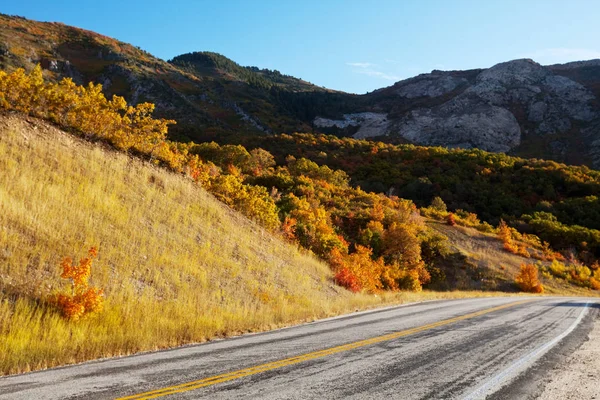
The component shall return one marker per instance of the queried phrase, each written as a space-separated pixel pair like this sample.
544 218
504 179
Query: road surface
464 349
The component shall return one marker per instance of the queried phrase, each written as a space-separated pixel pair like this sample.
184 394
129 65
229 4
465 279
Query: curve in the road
493 383
193 385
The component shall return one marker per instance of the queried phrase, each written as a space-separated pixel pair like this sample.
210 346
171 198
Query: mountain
208 94
519 107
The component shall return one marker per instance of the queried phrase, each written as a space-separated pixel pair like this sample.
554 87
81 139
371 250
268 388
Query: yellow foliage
85 109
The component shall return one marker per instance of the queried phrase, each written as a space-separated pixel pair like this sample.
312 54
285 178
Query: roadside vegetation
169 262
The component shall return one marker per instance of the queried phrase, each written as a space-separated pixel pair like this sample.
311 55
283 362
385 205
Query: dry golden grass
485 250
176 265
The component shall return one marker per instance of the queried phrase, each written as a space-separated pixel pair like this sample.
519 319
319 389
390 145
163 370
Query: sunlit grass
176 265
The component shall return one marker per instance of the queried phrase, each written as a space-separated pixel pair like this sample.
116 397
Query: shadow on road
575 304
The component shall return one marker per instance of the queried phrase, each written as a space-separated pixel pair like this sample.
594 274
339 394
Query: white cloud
361 64
562 55
366 68
378 74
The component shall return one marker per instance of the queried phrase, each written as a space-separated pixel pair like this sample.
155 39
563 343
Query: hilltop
519 107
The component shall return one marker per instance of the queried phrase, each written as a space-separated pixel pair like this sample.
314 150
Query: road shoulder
558 363
578 378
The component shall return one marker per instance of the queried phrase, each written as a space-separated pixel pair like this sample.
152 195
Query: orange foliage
522 251
82 298
288 228
528 280
358 268
506 234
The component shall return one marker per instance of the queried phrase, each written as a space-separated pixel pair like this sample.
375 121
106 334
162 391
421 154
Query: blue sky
351 45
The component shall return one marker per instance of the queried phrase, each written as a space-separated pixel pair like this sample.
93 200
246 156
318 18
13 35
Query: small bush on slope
79 299
528 280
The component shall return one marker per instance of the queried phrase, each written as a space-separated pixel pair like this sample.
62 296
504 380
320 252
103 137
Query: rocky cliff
518 106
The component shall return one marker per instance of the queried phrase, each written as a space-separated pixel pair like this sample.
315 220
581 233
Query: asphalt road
464 349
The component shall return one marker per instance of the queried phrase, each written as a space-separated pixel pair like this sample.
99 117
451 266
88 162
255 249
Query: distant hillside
484 258
518 107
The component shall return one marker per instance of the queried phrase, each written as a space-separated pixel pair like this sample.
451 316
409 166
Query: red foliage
450 219
347 279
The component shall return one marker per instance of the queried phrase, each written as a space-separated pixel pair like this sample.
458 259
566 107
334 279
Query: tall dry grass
176 265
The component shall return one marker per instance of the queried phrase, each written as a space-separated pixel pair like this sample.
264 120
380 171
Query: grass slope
177 266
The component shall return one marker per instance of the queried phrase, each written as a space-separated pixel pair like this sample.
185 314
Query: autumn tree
438 204
528 279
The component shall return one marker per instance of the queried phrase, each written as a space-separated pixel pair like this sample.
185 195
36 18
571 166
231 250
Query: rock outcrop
496 109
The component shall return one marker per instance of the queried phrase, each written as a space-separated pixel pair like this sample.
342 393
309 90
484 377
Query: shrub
347 279
450 219
81 299
438 204
528 280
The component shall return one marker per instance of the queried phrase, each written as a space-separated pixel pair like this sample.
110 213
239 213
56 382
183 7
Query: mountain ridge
519 107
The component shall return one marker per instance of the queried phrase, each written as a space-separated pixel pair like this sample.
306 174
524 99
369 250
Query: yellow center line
213 380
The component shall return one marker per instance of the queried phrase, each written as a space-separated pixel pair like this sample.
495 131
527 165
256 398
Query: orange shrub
450 219
82 298
288 228
528 280
522 251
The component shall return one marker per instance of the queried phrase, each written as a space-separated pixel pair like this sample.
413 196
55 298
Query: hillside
215 98
176 265
557 202
496 268
519 107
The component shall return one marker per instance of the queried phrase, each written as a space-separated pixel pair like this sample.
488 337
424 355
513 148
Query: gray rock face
370 124
429 85
490 109
464 123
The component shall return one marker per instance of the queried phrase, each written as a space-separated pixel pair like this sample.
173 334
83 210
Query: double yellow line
213 380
